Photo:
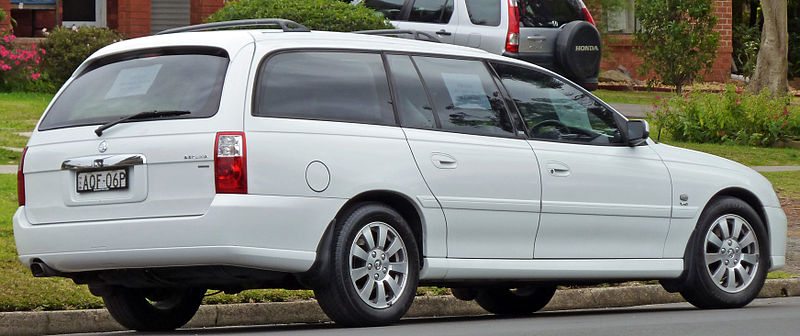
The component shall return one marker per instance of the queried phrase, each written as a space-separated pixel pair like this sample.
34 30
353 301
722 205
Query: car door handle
444 161
444 33
558 169
536 38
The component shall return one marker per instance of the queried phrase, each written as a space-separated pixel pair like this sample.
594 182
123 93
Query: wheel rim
731 253
378 265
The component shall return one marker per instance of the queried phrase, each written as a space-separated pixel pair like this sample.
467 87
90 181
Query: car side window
412 102
338 86
464 96
431 11
391 9
555 110
484 12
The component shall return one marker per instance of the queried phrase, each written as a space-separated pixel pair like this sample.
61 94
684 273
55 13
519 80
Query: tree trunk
772 64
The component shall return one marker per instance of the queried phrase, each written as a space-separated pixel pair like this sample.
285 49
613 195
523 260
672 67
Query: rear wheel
374 269
516 301
727 260
153 309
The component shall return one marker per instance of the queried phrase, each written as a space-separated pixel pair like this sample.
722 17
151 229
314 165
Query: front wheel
517 301
374 269
160 309
727 256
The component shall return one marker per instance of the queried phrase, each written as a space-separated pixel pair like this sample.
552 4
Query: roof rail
286 25
418 35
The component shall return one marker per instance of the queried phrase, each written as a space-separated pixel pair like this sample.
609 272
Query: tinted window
325 85
431 11
553 109
167 82
391 9
412 102
549 13
464 96
484 12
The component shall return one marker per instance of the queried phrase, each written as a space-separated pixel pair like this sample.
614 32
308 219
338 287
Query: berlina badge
102 147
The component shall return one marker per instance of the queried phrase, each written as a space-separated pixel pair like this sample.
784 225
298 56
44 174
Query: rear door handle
536 38
558 169
444 33
444 161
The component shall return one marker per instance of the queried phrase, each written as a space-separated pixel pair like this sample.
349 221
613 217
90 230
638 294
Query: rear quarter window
549 13
484 12
337 86
126 84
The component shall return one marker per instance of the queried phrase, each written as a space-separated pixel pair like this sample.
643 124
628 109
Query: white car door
484 177
600 197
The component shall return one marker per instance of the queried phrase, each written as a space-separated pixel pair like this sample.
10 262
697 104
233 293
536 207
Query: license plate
102 180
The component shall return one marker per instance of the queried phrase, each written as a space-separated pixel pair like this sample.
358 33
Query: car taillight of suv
230 163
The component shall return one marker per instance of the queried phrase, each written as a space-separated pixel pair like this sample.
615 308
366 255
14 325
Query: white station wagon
361 167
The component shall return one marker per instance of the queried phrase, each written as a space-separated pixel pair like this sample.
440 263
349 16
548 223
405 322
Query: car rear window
123 85
549 13
323 85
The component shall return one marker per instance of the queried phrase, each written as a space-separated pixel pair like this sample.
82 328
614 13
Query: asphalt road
763 317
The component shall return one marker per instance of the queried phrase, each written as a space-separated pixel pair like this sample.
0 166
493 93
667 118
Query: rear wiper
140 115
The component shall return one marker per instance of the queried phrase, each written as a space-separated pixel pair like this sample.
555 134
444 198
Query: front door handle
558 169
444 161
444 33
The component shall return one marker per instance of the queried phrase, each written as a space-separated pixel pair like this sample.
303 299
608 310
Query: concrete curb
98 320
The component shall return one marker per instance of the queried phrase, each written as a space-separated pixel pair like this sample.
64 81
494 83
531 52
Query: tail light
586 14
21 179
230 163
512 38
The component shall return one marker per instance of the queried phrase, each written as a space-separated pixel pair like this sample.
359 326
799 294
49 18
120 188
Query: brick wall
621 48
203 8
5 5
133 17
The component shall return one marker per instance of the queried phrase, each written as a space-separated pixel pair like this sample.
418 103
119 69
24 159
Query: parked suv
360 167
556 34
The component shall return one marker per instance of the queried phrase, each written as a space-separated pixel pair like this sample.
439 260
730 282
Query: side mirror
638 132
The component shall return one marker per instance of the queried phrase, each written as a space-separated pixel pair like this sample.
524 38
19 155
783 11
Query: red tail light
230 163
512 38
586 14
21 179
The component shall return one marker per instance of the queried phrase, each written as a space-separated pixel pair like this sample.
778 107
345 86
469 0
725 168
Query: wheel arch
748 197
401 203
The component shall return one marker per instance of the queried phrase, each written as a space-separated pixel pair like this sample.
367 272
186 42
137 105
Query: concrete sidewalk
98 320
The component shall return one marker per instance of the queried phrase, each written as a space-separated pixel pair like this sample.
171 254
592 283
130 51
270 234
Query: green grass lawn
19 112
631 97
749 156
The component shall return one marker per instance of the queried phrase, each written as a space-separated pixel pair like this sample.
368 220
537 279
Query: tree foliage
329 15
677 39
67 48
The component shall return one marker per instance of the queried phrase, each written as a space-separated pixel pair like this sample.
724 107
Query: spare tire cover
578 50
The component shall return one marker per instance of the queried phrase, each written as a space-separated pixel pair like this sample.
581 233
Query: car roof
234 40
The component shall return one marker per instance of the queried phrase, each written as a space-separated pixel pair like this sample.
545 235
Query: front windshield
145 82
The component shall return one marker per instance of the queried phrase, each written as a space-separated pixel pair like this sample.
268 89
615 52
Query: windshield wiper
140 115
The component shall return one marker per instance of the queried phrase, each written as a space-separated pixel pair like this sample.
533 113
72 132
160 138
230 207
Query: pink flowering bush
732 116
19 66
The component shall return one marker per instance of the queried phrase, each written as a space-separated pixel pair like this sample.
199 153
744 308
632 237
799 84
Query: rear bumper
776 221
276 233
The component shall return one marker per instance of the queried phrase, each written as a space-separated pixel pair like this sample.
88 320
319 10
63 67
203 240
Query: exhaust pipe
40 269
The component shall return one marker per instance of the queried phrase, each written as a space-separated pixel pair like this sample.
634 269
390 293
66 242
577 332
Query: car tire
727 257
374 268
153 309
518 301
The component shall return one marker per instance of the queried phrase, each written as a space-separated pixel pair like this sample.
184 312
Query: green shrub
67 48
677 39
19 66
329 15
732 116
